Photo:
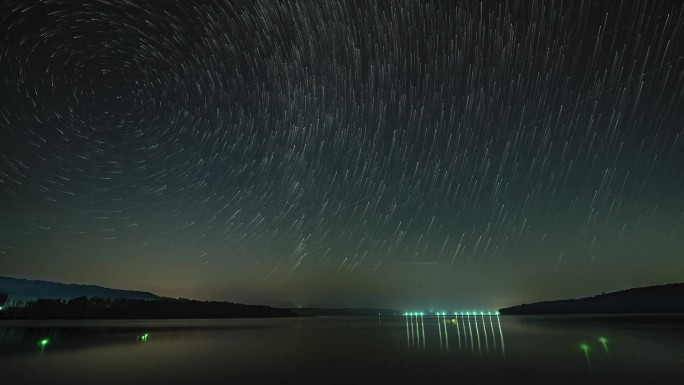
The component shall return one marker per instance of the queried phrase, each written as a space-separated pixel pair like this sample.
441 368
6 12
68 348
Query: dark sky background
407 154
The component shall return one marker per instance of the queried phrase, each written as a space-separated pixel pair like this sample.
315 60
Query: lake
338 350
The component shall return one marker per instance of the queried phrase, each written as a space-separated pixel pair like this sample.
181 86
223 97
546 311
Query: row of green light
143 337
474 313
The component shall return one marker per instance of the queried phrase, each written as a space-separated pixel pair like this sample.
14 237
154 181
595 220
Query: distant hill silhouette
29 290
126 308
662 299
27 299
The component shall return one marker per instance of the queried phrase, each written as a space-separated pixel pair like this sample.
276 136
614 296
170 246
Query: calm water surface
336 350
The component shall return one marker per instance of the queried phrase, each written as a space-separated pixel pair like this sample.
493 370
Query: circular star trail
343 152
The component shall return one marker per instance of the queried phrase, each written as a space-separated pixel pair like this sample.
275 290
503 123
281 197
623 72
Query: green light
604 342
586 348
43 342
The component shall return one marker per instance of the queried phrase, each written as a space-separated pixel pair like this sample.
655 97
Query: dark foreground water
332 350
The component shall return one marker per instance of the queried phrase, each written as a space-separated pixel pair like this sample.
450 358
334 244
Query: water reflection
30 337
422 329
469 329
411 348
503 344
439 328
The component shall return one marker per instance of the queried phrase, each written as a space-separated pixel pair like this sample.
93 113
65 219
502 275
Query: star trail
348 153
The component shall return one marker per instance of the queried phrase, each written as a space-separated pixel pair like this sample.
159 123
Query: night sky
452 154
